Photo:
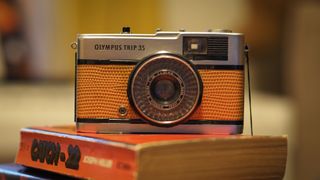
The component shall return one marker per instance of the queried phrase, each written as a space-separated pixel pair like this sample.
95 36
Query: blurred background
37 63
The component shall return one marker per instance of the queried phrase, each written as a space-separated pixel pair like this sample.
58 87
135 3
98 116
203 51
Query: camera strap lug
246 53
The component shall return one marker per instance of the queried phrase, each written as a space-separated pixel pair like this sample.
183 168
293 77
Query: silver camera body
168 82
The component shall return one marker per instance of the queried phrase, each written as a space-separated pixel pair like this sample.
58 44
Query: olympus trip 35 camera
168 82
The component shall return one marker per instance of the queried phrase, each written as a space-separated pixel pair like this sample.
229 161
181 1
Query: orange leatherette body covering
102 89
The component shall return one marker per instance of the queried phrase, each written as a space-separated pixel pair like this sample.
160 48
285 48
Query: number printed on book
50 153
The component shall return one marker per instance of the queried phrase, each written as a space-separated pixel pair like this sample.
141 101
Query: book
16 171
152 156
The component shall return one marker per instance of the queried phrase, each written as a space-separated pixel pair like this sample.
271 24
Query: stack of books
62 153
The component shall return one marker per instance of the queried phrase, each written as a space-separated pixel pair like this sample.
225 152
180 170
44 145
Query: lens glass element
165 89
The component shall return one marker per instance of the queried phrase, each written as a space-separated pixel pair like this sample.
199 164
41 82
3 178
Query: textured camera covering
222 95
102 89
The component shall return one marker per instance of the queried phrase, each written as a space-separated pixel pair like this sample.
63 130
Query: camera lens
165 89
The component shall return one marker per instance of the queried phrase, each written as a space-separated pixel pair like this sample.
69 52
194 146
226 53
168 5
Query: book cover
152 156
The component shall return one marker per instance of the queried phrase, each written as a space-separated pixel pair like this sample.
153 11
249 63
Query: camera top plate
213 48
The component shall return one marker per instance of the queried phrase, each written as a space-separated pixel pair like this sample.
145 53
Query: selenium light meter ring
190 73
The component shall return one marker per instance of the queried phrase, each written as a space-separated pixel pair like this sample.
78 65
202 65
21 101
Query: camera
167 82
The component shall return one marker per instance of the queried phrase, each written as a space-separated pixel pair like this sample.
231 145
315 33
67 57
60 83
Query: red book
151 156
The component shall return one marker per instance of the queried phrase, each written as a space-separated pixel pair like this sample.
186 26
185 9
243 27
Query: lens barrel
165 89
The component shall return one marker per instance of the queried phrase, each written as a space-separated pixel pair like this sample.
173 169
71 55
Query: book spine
79 157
